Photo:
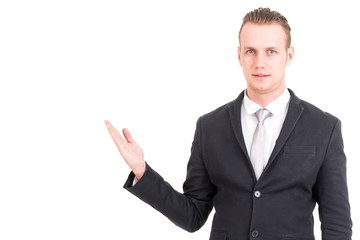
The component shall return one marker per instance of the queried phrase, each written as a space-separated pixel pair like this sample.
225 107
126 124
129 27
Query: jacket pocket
217 235
308 150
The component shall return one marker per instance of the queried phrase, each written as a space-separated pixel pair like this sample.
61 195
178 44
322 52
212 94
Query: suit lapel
292 117
235 117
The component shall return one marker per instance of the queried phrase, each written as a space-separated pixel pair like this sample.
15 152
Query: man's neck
264 99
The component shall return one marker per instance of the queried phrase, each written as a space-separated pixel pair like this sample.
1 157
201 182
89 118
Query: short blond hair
266 16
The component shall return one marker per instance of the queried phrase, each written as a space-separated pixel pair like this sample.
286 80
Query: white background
153 67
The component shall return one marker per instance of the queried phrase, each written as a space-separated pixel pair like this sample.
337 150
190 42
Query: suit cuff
143 185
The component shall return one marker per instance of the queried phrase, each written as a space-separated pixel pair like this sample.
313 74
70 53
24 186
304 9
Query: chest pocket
297 164
300 150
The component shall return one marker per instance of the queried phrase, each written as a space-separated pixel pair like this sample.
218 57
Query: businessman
262 161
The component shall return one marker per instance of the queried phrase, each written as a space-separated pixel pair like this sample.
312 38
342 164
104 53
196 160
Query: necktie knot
262 114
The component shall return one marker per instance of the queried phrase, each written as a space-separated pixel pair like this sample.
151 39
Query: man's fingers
127 135
115 135
129 150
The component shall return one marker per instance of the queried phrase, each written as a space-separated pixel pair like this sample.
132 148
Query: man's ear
239 52
290 55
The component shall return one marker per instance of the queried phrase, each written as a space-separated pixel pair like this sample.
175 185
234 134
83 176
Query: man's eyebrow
272 48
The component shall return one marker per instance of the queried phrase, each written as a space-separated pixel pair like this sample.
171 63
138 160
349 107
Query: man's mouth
261 75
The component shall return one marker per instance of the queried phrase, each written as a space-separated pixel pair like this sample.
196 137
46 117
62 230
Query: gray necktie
257 152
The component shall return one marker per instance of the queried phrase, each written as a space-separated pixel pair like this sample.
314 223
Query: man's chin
266 89
261 89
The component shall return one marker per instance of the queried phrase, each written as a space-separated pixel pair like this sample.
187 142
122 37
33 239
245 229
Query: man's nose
260 60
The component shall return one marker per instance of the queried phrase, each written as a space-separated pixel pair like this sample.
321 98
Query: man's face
263 55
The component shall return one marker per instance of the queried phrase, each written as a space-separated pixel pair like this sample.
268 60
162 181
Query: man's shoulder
219 111
316 114
222 113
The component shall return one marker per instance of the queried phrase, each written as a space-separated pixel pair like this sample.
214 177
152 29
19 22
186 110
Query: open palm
129 149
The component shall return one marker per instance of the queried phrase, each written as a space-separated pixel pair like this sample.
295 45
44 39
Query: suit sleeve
331 191
188 210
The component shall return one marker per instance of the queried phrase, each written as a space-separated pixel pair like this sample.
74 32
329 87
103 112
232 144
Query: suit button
257 194
255 233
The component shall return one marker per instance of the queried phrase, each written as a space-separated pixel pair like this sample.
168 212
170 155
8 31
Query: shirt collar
275 107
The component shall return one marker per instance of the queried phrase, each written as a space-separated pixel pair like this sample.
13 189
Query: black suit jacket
307 166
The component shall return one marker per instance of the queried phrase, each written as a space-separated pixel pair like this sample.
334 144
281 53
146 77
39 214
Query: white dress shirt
273 123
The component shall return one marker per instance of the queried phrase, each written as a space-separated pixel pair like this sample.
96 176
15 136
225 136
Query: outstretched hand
129 150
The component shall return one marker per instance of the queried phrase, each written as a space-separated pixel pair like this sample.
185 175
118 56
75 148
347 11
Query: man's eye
271 52
250 51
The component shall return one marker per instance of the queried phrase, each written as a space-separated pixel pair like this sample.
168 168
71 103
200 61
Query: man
263 160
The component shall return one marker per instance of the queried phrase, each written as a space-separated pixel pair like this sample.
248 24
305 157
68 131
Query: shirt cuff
135 181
